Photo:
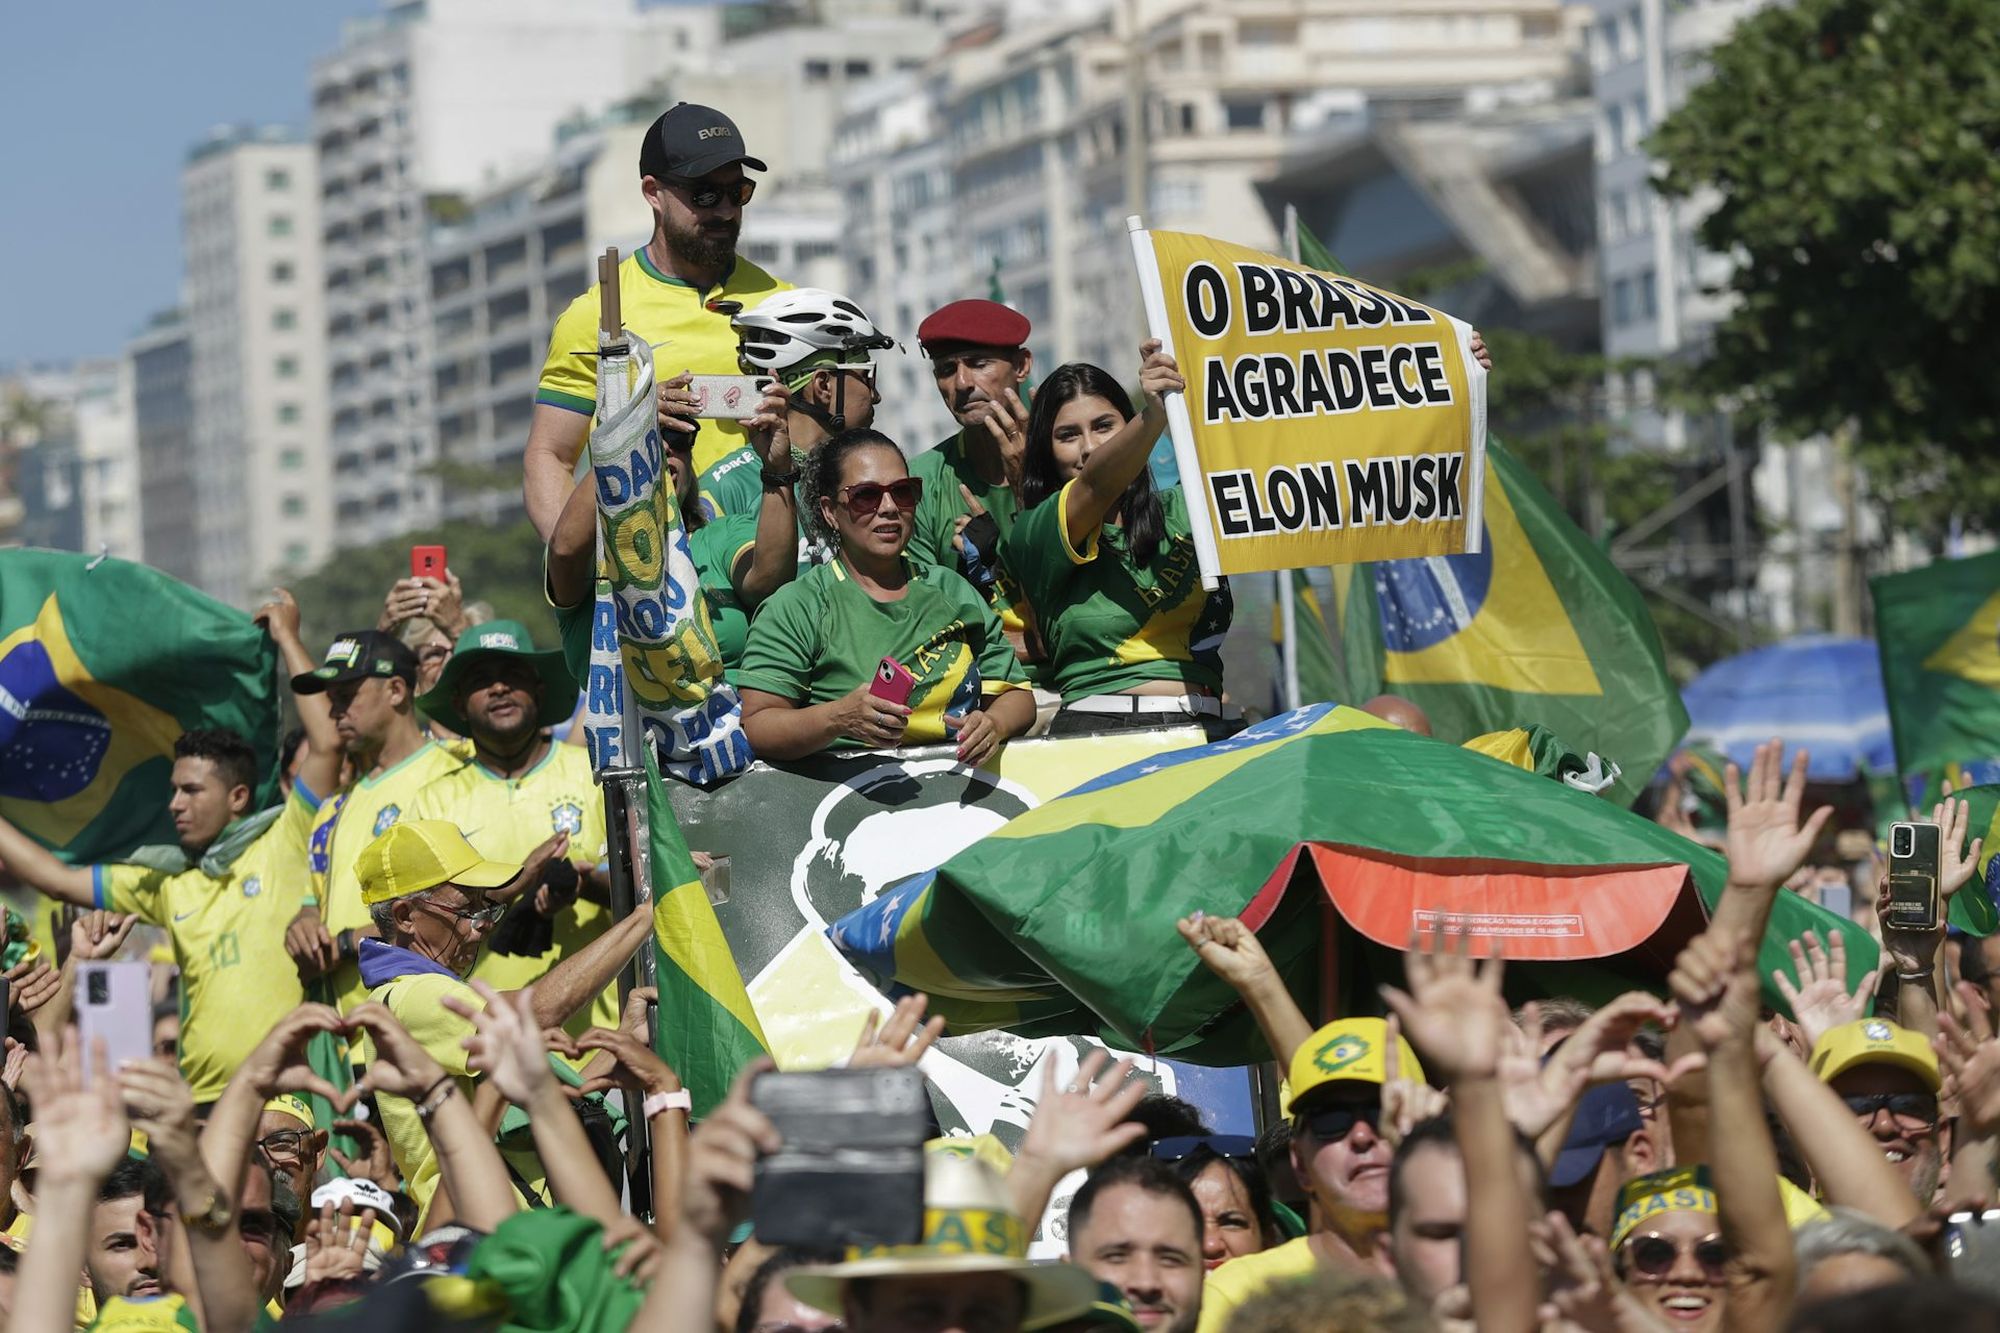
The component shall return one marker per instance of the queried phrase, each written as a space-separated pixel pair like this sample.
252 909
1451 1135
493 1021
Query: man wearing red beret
980 359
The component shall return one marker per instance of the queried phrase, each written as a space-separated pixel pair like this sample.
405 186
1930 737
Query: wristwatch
776 480
214 1217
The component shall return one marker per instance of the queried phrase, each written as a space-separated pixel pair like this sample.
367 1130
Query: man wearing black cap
369 679
979 357
677 293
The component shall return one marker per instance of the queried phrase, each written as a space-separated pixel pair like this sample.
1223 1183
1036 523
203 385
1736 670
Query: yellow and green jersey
1109 622
732 484
348 823
821 635
944 469
674 318
148 1314
228 935
506 819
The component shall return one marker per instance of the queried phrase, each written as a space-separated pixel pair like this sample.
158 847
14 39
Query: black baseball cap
360 655
690 141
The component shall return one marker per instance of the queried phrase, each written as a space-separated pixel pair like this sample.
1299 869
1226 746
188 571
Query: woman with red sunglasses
820 644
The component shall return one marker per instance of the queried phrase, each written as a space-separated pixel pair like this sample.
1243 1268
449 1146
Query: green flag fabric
1319 675
1061 922
103 664
555 1275
1938 630
707 1029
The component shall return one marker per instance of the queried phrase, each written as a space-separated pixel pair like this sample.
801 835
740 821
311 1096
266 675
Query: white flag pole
1179 423
1288 612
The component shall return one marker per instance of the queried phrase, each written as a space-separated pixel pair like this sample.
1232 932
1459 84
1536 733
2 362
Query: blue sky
100 104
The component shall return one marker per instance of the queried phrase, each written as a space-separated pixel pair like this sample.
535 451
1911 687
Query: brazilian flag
1938 630
1319 677
103 664
707 1029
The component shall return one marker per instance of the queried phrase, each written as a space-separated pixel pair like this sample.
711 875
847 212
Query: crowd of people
393 1081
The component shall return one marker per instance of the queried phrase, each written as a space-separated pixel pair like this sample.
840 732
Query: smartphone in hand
851 1171
427 562
112 1002
1913 876
893 681
728 397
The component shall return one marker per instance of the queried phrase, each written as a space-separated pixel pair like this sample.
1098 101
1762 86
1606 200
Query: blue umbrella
1819 691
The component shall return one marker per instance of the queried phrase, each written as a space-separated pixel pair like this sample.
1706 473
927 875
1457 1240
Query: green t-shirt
715 552
1109 623
944 469
821 635
732 485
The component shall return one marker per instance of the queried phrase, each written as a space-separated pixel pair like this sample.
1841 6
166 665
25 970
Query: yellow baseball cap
295 1107
1875 1041
1352 1050
413 855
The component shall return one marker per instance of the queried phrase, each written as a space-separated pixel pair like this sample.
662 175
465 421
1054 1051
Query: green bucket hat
500 638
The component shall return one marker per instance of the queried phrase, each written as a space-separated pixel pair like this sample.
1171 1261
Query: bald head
1398 712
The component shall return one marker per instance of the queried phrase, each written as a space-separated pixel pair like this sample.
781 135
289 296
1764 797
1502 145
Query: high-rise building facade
163 430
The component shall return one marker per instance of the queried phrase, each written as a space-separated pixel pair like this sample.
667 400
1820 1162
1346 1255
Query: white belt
1187 705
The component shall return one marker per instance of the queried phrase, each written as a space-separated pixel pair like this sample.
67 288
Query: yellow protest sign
1325 421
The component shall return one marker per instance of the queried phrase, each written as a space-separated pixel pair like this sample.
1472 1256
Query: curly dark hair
232 756
1139 507
820 475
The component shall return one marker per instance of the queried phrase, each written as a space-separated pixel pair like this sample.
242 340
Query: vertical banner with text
1325 421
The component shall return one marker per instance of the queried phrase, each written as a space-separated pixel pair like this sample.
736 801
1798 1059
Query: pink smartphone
893 682
728 397
112 1002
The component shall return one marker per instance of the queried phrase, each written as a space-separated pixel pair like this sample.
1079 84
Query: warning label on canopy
1334 422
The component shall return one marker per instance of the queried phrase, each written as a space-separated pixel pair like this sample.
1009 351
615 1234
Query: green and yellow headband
1685 1189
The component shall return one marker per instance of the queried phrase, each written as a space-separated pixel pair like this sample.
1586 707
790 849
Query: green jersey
1109 622
732 485
944 469
821 635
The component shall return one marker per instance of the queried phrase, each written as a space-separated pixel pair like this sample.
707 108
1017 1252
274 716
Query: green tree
1852 148
499 565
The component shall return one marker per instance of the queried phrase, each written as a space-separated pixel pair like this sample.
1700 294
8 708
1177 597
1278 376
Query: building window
818 71
1649 294
291 460
295 554
282 271
1621 303
294 506
1611 133
279 225
1244 115
857 69
287 367
277 178
288 414
283 319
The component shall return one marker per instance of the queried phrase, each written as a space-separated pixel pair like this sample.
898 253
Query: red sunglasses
864 498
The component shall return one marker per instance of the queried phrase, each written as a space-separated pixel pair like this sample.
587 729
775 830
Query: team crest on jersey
567 818
388 815
253 886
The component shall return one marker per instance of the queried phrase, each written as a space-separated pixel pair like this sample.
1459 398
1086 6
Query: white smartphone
112 1003
728 397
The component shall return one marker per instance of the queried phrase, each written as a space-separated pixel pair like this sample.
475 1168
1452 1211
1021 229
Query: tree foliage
1852 148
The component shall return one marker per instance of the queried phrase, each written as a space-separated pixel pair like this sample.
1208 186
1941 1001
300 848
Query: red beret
977 323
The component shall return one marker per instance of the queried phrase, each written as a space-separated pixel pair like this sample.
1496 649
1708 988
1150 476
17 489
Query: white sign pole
1194 482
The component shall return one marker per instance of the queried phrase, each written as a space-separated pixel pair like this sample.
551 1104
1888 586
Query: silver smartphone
113 1003
728 397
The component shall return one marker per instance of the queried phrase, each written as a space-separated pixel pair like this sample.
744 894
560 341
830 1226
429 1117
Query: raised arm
1113 466
1845 1160
556 437
1914 953
81 1134
1074 1127
38 868
582 977
1231 950
774 560
321 770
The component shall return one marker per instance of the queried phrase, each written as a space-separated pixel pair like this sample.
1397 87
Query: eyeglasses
1913 1107
707 194
864 498
1336 1122
1240 1147
477 916
286 1145
1653 1256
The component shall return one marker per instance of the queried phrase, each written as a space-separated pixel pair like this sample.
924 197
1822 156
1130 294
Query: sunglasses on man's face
1653 1256
1183 1146
1336 1122
864 498
1908 1107
707 194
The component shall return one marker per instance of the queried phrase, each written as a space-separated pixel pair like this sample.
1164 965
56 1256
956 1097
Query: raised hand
1821 1001
533 869
1229 949
160 1104
1084 1122
768 429
506 1044
1584 1291
1600 1051
1453 1012
722 1160
80 1132
1405 1100
373 1161
1479 352
678 405
901 1041
279 615
278 1063
1957 862
1766 841
643 1254
1971 1061
1716 984
401 1067
97 935
32 983
636 1066
1006 420
337 1242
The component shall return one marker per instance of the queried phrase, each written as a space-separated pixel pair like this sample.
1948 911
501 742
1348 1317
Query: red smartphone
427 562
893 682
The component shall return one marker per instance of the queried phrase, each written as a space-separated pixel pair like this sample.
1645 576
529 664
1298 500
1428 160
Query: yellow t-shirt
351 821
415 1000
1240 1279
506 819
675 319
228 936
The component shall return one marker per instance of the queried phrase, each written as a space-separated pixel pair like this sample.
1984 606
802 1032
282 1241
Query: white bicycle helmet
785 329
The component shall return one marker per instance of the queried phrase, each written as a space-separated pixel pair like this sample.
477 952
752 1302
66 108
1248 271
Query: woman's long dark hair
820 476
1255 1187
1139 508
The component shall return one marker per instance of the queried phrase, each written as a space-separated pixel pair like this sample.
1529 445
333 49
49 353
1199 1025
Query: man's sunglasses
1336 1122
707 194
1654 1256
864 498
1915 1107
1239 1147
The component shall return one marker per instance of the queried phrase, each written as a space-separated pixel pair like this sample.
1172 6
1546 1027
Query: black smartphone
1913 876
851 1171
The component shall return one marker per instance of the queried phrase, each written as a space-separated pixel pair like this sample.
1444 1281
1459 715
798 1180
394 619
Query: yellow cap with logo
413 855
296 1107
1350 1050
1875 1041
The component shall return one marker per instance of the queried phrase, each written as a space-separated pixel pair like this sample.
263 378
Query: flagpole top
1133 222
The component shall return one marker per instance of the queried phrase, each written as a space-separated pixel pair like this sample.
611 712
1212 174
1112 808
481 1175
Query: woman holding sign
873 649
1108 562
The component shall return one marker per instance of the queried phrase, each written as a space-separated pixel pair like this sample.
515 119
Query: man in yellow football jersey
369 682
523 800
677 293
226 892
